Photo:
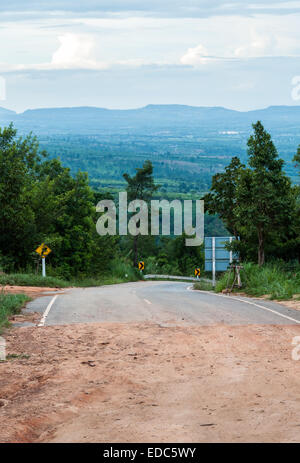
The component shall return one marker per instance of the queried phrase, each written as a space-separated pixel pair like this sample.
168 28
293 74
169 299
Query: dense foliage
258 202
42 202
277 280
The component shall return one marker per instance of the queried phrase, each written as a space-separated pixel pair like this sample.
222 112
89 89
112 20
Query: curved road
166 303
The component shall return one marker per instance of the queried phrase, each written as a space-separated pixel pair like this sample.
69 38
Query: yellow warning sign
43 250
141 265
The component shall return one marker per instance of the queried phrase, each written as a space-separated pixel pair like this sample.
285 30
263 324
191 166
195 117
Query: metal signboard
217 258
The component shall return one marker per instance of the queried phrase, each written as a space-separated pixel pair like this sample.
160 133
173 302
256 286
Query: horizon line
147 106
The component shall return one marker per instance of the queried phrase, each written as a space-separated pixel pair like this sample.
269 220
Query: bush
124 270
277 280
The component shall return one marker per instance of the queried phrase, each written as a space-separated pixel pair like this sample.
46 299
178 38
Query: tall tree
295 229
43 202
257 202
18 158
263 191
140 186
296 159
222 198
68 221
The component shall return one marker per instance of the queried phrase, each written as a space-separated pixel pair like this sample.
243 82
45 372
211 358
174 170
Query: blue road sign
217 258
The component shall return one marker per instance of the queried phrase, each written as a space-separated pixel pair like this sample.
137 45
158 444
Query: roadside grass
89 282
30 279
203 286
10 304
274 280
121 272
22 279
178 279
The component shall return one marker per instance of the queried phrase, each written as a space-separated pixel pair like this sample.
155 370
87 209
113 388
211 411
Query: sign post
217 258
214 261
43 250
44 266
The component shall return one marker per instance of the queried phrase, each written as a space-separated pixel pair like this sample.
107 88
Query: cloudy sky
130 53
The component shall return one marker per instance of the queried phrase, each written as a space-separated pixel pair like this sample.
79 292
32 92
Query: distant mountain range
84 120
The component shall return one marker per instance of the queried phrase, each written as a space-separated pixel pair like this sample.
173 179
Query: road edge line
249 302
46 313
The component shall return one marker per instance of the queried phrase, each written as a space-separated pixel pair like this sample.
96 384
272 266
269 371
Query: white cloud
254 43
75 51
195 56
100 43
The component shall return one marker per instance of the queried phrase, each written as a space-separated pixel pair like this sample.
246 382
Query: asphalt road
166 303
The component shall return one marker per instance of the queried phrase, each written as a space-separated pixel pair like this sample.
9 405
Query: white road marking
46 313
251 303
148 302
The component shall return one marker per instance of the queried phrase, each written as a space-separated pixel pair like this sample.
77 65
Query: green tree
294 243
263 191
257 202
296 158
140 186
42 202
68 224
18 158
186 258
222 199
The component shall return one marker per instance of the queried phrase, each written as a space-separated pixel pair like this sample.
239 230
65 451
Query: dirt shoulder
142 382
31 291
292 304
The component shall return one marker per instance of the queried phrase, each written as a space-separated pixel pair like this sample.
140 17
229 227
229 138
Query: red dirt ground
133 382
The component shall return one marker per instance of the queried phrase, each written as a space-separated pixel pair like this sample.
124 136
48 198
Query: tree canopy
257 201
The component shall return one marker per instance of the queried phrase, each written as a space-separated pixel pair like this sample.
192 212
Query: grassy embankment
120 273
276 281
10 304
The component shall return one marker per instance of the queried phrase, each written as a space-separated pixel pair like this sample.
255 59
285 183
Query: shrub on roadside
10 304
277 280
